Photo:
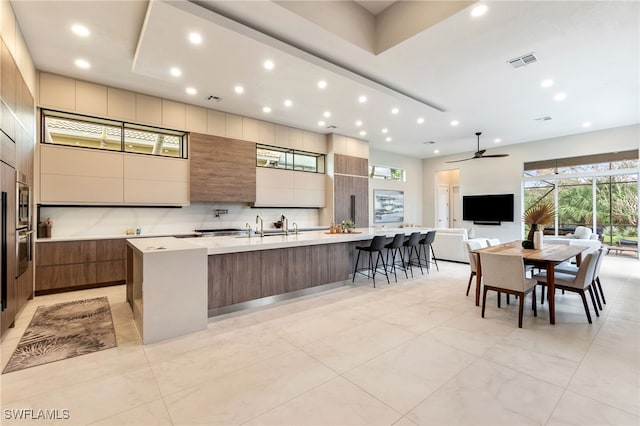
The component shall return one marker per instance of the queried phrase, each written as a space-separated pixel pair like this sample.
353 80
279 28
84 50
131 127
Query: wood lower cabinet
72 265
241 277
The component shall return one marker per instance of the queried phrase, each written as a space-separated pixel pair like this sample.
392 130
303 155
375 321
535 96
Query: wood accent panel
222 169
344 188
348 165
273 271
65 276
220 277
111 249
246 278
24 286
65 252
111 271
299 264
330 263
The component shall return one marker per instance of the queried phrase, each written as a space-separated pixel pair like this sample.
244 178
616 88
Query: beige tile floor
410 353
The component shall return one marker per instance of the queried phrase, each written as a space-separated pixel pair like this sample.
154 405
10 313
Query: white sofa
450 244
582 236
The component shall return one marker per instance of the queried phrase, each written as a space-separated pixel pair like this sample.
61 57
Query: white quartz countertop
109 237
162 244
235 244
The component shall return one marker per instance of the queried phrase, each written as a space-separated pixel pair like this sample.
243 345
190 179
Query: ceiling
430 60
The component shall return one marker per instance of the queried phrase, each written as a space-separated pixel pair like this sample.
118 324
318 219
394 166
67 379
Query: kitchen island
245 271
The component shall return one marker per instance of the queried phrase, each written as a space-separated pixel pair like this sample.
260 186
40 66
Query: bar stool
376 246
411 247
395 248
427 249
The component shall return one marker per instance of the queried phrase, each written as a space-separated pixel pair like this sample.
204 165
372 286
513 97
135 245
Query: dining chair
395 249
505 273
473 259
493 241
376 246
569 268
577 283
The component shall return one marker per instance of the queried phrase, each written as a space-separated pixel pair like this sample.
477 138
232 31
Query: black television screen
488 208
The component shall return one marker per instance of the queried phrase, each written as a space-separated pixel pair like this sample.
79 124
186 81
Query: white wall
504 175
412 187
97 221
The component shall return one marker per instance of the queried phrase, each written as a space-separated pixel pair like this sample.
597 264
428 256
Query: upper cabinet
288 188
222 169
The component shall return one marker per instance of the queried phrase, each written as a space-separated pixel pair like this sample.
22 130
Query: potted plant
349 225
538 216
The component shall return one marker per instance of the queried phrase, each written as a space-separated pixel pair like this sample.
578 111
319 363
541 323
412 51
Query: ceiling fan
479 153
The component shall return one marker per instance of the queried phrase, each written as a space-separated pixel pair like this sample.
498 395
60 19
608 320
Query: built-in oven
23 250
23 197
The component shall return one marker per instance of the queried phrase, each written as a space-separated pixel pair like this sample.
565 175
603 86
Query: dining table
546 257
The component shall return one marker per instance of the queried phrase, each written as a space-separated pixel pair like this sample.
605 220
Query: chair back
430 238
585 276
397 242
377 244
474 245
493 242
596 272
414 239
504 271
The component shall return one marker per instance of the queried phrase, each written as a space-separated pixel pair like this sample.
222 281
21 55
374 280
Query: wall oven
23 250
23 224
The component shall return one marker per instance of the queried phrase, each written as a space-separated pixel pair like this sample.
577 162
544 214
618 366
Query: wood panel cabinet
70 265
8 180
346 187
348 165
222 169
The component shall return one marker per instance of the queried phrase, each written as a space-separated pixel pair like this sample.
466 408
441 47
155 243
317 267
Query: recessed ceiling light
388 139
326 114
288 103
195 38
321 123
436 151
395 111
385 130
191 90
81 63
266 109
358 123
420 120
547 82
322 84
268 64
497 140
80 30
479 10
362 99
560 97
454 123
363 133
239 90
586 124
175 71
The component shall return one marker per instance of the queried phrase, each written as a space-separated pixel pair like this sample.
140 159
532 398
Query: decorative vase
527 244
534 228
537 240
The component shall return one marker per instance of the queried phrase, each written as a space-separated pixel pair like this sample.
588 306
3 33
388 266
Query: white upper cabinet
91 99
121 104
57 92
287 188
148 109
174 115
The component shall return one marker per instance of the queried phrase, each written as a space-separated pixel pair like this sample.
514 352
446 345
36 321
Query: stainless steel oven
23 250
23 197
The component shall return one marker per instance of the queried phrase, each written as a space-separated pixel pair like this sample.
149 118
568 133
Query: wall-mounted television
488 209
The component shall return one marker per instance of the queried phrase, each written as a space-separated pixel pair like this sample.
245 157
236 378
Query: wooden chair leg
484 299
520 311
533 302
601 292
593 300
469 285
586 307
542 295
595 291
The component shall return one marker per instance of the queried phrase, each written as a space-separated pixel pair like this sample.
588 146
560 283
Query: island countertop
236 244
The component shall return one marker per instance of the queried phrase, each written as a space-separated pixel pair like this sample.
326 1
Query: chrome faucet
295 228
248 228
285 224
261 222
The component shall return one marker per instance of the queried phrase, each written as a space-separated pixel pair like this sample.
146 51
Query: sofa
582 236
450 244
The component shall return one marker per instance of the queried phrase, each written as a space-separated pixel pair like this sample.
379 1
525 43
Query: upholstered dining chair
473 258
577 283
493 241
504 273
569 268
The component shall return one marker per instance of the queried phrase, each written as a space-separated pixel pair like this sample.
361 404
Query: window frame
320 164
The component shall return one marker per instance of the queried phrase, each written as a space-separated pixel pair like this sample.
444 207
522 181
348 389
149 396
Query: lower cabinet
240 277
73 265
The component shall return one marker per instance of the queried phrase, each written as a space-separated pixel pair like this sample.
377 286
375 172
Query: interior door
456 210
442 204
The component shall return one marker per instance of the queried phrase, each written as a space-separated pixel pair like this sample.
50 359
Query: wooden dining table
547 257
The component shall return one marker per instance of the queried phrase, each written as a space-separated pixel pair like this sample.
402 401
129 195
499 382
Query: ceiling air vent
213 98
545 118
522 61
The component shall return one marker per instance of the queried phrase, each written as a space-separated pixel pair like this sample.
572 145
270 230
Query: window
91 132
387 173
289 159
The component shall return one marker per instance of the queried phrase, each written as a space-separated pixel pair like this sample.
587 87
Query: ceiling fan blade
494 156
464 159
479 154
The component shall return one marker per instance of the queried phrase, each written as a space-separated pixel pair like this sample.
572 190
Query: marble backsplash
94 221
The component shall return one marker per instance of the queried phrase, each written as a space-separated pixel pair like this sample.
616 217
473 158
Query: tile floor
414 352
